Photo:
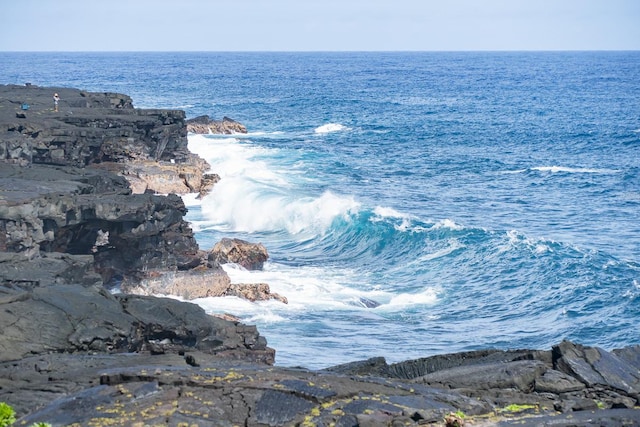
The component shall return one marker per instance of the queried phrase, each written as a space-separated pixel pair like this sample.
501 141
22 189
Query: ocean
412 204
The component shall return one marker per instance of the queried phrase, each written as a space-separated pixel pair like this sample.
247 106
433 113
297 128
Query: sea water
411 203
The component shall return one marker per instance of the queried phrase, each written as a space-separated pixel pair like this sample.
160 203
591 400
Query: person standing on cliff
56 98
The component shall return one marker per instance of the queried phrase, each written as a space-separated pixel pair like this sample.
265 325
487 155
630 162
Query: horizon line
329 51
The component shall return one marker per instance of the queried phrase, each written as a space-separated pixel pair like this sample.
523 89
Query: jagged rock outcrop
570 377
199 283
99 128
168 390
89 128
74 318
204 125
251 256
150 176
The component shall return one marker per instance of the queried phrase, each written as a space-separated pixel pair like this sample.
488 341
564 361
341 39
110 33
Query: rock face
251 256
87 212
192 284
204 125
150 176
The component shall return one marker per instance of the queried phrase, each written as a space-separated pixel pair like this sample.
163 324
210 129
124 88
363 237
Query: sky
318 25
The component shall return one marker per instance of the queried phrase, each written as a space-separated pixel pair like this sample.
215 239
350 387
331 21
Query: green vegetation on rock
7 415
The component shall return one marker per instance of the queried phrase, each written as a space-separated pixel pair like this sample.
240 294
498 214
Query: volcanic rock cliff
71 227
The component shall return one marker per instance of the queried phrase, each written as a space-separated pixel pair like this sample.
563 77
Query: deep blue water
482 199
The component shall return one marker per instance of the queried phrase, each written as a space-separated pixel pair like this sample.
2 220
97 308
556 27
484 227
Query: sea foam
330 127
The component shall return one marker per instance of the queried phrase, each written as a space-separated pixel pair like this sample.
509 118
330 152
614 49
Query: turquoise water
479 199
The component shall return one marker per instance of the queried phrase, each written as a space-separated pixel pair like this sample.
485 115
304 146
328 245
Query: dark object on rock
204 125
191 361
251 256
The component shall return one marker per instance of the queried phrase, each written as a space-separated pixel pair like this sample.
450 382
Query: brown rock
186 284
204 125
251 256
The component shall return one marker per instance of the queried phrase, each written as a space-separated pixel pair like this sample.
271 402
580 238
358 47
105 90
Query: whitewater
411 203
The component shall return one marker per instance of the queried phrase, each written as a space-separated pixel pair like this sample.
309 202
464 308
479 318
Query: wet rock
253 292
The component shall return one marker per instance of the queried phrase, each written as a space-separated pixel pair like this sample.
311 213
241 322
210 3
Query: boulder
204 125
251 256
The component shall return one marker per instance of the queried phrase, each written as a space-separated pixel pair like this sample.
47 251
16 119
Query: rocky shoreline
88 203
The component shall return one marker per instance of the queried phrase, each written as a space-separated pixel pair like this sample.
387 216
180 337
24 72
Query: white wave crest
564 169
244 206
254 195
384 212
448 224
428 296
330 127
